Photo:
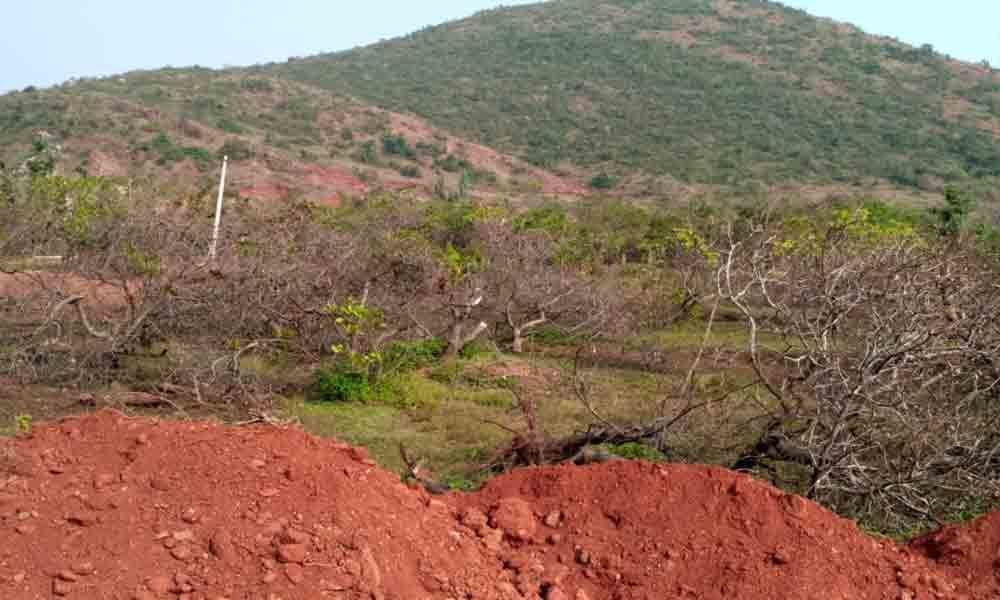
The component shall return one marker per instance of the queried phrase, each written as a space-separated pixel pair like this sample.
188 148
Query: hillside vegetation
654 97
287 139
721 91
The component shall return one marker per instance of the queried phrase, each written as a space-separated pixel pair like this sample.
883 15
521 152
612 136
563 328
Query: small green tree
603 181
464 184
367 153
42 161
951 217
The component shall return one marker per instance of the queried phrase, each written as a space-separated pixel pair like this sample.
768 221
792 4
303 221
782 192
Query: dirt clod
292 553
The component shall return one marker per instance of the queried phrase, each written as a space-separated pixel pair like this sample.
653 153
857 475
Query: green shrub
337 384
411 171
409 356
477 349
452 164
170 153
367 154
603 181
236 149
638 451
252 84
551 218
230 126
397 146
552 336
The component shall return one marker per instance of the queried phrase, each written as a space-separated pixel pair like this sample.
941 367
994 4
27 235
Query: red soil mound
969 551
109 507
636 530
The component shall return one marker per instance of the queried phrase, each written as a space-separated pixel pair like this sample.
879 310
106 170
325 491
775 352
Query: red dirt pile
106 506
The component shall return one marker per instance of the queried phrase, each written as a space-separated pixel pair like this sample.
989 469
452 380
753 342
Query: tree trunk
457 342
518 346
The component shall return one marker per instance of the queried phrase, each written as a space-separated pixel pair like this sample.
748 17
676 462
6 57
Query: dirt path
105 506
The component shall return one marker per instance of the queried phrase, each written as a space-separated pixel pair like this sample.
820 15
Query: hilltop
696 91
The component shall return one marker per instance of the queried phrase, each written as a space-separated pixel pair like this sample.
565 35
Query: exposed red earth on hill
105 506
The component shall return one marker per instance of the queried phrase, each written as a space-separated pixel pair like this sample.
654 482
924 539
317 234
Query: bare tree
879 353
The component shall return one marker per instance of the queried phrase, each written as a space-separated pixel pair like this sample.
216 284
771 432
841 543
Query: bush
603 181
477 349
638 451
397 145
337 384
409 356
411 171
366 153
256 85
452 164
236 150
230 126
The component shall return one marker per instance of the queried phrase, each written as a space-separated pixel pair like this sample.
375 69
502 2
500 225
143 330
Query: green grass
688 335
445 415
452 437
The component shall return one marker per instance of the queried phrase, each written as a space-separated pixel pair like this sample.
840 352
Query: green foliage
638 451
230 126
409 356
367 154
23 424
952 216
430 149
603 181
170 153
79 207
337 384
141 263
551 218
453 164
236 149
549 335
397 145
478 349
460 263
769 93
42 161
256 85
988 240
412 171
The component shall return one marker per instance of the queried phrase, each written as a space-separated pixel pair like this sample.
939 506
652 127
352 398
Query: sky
965 29
49 41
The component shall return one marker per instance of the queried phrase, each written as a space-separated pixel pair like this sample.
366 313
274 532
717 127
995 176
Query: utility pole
218 212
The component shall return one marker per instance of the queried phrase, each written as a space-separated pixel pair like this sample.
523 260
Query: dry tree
878 353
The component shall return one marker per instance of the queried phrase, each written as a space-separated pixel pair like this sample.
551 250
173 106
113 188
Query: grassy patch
449 432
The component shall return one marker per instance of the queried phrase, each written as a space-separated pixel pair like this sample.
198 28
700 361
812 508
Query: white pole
218 211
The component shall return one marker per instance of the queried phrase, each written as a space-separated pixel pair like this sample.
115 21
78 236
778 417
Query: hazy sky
965 29
48 41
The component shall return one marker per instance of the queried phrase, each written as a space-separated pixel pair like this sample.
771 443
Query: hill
700 91
648 97
286 139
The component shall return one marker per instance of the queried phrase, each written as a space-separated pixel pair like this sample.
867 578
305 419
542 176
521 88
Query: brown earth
23 285
105 506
